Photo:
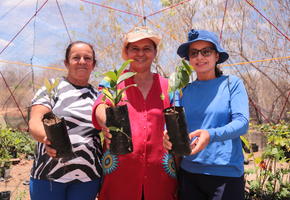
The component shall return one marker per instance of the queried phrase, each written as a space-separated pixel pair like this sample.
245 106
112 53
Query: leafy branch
271 168
115 77
180 78
51 92
50 86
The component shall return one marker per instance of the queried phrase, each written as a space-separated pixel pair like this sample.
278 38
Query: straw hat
139 33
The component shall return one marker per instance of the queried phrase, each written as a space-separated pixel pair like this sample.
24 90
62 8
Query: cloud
9 3
26 3
3 43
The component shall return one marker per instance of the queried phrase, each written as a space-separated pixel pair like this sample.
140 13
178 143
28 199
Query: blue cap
202 35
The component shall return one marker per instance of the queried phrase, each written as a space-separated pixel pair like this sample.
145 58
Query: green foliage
13 143
115 77
166 3
180 78
278 136
245 141
272 168
21 195
50 87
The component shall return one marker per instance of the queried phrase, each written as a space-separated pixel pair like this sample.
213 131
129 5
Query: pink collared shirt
149 166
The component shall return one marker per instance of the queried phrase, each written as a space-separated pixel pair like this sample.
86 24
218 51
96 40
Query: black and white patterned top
74 103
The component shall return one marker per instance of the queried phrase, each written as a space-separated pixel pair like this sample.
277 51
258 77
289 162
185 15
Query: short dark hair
68 49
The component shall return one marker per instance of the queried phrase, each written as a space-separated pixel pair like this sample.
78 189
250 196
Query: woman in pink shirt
148 173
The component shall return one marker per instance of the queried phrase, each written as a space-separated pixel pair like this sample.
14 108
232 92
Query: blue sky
46 30
47 34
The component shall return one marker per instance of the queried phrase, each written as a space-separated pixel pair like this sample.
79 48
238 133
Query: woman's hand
107 136
166 143
49 150
200 141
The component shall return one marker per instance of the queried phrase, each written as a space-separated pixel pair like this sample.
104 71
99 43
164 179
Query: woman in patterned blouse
79 177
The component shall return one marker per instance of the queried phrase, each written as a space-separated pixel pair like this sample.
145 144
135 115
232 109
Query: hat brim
154 39
182 50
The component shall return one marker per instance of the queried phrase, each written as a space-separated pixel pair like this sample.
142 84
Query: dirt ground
17 183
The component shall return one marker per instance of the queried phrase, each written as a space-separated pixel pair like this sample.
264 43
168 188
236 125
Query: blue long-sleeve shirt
220 106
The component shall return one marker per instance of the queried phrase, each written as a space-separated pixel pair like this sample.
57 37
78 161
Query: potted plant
5 195
117 115
5 165
55 127
174 116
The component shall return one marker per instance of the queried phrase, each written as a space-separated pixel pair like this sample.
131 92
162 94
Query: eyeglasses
136 50
207 51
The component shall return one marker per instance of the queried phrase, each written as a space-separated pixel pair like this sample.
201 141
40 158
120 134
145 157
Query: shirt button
144 127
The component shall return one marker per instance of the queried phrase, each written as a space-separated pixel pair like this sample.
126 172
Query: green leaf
162 97
104 98
46 83
97 74
245 141
108 95
113 84
173 82
117 99
111 75
274 151
123 67
119 96
115 77
113 128
184 79
125 76
180 78
55 84
258 160
188 68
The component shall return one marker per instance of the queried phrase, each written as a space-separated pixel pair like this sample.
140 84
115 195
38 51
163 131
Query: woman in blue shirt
217 113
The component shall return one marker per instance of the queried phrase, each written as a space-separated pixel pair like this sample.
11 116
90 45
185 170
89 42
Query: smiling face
80 63
143 53
203 58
